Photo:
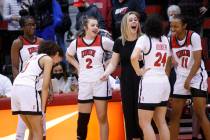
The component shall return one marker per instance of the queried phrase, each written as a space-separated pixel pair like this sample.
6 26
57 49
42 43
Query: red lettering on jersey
88 52
183 53
32 50
161 46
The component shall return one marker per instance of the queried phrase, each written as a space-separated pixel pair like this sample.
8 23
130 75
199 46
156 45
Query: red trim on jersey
175 44
25 41
96 42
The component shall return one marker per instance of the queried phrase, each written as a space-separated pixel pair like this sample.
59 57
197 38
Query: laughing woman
123 47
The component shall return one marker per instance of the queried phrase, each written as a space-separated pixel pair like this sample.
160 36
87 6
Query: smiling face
177 27
91 29
132 24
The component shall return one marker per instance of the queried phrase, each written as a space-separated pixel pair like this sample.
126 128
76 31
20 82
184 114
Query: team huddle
146 60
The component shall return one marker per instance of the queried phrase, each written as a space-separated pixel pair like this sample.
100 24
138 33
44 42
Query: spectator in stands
31 88
1 17
139 7
194 11
86 9
22 49
60 81
48 16
104 6
171 12
90 48
65 26
191 79
5 86
1 9
123 47
11 9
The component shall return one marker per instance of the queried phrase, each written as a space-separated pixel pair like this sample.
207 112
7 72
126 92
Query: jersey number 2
89 63
161 58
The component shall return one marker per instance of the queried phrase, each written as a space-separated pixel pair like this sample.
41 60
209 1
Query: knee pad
82 123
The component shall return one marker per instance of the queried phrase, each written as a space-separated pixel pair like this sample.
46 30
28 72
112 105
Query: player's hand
104 77
187 84
142 71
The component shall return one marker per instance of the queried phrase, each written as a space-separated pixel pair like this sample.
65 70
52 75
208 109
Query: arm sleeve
196 42
71 50
107 43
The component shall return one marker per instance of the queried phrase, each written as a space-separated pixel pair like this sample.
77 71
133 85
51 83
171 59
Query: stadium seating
151 9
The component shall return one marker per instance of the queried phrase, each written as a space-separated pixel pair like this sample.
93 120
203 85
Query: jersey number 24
161 59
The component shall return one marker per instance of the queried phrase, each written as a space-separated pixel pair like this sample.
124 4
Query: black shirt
125 52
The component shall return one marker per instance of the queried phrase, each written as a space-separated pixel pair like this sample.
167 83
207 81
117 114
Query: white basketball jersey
155 53
31 73
28 49
183 54
91 59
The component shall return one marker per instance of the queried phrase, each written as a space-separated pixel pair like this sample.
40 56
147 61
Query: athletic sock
82 124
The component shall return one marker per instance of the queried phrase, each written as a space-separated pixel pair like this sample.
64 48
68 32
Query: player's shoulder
17 43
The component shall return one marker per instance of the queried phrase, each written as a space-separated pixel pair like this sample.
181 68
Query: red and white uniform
91 55
25 98
28 49
182 51
154 87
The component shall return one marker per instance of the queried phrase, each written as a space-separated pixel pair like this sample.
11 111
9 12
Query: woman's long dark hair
50 48
153 26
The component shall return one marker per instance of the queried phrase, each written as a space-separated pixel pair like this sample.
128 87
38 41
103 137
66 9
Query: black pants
130 110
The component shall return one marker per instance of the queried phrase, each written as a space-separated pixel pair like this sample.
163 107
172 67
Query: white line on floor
50 124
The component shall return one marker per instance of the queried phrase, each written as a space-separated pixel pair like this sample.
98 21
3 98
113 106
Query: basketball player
22 49
25 98
154 88
191 76
90 49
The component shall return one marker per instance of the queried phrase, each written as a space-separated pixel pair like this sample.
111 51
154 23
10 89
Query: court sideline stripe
50 124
